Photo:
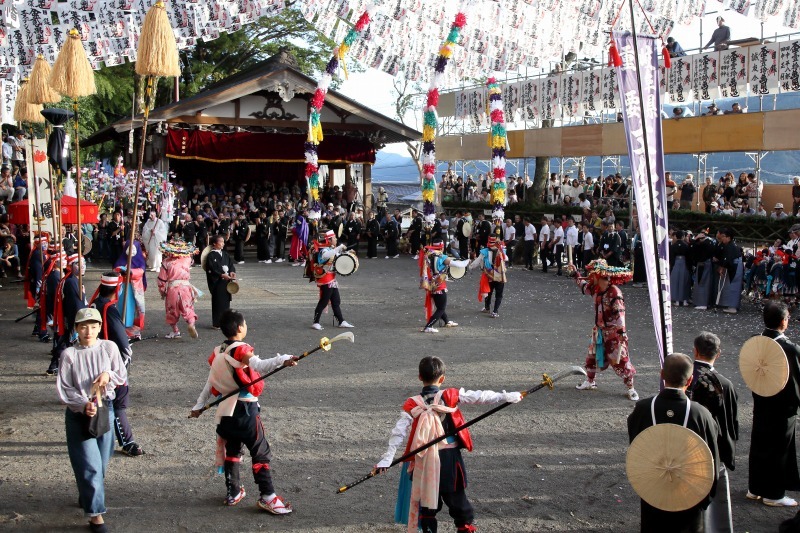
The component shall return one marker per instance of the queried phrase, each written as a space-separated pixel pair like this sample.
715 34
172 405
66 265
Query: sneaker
451 324
303 264
233 500
317 326
395 257
51 371
700 307
267 261
387 257
295 264
484 310
132 450
751 496
173 335
274 506
494 315
279 260
416 256
590 385
632 395
35 333
45 338
193 331
730 310
346 324
783 502
430 330
240 263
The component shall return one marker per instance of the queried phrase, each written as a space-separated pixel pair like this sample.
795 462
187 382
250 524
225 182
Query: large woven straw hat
764 366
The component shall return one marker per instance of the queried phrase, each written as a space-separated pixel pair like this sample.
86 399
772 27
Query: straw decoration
25 111
157 54
72 75
39 89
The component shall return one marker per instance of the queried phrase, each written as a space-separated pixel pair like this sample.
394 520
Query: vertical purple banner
642 115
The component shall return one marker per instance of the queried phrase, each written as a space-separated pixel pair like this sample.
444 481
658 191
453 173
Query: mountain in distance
776 167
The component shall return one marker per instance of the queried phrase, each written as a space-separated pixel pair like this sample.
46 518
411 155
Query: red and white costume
175 286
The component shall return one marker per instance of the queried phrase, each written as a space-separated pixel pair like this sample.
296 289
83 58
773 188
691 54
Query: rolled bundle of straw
72 75
25 111
39 89
157 54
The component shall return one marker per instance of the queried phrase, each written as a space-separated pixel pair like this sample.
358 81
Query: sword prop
140 339
324 344
23 317
547 381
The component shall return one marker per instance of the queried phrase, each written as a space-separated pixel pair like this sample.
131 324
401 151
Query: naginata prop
23 317
547 381
324 344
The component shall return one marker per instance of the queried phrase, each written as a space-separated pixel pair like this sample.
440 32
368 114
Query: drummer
322 255
220 270
433 279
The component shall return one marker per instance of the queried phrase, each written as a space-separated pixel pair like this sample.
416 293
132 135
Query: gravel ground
555 462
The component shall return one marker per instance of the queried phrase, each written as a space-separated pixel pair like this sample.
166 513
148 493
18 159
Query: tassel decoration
498 140
614 59
667 58
157 54
72 75
39 89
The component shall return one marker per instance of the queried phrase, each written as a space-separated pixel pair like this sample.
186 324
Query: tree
407 101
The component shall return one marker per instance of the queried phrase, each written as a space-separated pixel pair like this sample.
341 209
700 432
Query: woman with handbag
87 377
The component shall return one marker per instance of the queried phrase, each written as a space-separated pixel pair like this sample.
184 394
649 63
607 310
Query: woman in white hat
777 212
87 375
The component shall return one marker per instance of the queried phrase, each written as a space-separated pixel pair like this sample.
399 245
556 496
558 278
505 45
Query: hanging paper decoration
430 121
498 141
315 114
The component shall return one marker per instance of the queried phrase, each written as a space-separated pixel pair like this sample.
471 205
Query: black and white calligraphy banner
571 93
679 81
591 91
733 73
790 66
764 76
705 75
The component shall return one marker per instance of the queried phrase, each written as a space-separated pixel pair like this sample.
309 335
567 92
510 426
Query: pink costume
609 339
178 293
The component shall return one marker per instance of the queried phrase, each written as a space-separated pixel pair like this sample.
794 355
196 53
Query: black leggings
328 294
440 301
244 428
495 287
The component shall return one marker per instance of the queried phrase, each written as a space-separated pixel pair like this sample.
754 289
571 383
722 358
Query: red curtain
264 147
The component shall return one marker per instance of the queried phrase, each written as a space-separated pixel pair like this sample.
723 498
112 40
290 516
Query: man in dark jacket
670 407
715 392
219 271
773 455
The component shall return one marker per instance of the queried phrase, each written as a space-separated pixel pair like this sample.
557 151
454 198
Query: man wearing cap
672 406
92 368
112 329
773 454
777 212
321 256
219 271
716 393
70 298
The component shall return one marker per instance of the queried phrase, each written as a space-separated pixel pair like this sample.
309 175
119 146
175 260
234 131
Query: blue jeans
89 458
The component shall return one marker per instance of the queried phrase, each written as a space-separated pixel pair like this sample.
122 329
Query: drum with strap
455 272
466 229
345 264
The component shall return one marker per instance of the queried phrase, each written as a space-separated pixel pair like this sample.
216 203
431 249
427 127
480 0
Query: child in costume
175 288
438 474
492 261
433 279
609 339
321 258
139 285
234 365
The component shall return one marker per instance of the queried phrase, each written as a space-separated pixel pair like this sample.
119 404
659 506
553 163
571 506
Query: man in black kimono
391 234
263 237
34 282
112 329
773 455
280 231
669 407
373 229
463 241
715 392
240 232
415 232
352 232
219 271
200 235
483 229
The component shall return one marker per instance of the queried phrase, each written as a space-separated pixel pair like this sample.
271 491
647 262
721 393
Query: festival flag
641 116
732 73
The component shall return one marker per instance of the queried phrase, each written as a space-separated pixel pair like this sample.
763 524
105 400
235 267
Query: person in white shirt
544 243
8 150
509 238
588 243
584 202
529 240
557 244
571 241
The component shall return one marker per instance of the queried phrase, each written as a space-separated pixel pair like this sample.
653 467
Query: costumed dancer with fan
433 279
773 453
439 474
233 365
609 338
135 310
69 299
321 257
175 287
492 262
89 374
112 329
